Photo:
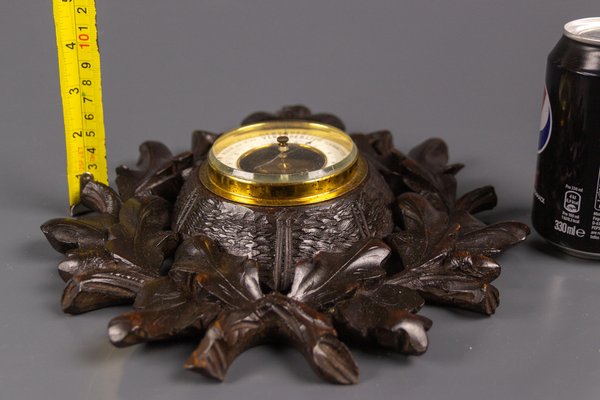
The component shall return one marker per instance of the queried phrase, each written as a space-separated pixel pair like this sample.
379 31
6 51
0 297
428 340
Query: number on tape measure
81 91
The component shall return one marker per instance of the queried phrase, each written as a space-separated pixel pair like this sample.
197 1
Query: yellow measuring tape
81 91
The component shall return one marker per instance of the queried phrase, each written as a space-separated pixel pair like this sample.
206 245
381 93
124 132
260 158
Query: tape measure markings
81 90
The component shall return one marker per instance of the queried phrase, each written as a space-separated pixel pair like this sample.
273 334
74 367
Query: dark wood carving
281 237
356 268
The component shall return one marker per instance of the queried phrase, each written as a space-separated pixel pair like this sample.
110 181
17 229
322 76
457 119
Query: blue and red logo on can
545 123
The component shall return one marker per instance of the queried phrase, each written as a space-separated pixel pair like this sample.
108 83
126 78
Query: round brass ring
284 194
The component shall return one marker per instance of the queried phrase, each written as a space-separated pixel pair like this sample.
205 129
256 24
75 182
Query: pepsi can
566 209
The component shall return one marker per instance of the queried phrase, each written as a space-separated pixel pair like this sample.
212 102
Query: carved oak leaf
162 311
158 173
481 199
429 232
142 234
445 257
332 276
205 280
201 265
461 280
386 317
107 260
65 234
297 112
351 287
202 141
426 232
479 238
378 149
100 198
247 317
99 279
426 171
274 316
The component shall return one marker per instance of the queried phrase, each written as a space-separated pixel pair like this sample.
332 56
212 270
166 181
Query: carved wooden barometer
286 229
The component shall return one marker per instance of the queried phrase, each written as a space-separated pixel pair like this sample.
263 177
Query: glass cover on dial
283 151
282 158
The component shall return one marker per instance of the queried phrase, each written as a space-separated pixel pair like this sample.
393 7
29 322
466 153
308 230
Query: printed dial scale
283 163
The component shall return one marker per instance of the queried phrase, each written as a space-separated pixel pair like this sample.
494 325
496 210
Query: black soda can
566 206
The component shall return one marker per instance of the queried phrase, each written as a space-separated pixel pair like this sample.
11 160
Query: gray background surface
468 71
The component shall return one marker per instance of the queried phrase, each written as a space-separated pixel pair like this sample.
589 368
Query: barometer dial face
283 151
283 163
287 159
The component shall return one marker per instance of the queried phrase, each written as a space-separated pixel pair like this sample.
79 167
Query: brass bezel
282 194
296 189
